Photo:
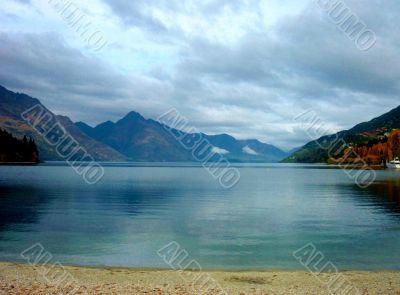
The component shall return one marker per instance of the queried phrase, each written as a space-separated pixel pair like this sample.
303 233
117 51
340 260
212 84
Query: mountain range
139 138
12 105
132 138
135 138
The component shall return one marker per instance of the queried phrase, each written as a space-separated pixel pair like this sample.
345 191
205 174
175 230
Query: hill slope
131 138
12 105
143 139
362 134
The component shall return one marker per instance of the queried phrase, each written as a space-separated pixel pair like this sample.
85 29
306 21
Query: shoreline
19 163
208 270
17 278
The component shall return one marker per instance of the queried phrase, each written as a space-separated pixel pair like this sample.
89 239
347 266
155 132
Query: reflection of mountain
19 204
30 205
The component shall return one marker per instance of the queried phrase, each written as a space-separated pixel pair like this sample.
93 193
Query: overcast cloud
245 68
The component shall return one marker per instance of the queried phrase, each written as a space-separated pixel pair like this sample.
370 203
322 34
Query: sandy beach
25 279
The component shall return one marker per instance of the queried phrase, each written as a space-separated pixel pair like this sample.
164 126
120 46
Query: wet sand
26 279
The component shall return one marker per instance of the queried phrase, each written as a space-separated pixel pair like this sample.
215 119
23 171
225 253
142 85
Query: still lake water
134 211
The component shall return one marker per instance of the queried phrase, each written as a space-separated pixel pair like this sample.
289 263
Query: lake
136 209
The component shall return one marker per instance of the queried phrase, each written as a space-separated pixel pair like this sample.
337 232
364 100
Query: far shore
25 279
19 163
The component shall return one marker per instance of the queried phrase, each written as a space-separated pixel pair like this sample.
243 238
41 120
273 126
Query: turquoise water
135 210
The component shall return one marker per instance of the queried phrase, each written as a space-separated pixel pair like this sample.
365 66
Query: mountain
265 150
250 150
139 139
143 139
364 134
131 138
12 105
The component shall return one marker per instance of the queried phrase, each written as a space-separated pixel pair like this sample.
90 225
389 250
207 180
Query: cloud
69 82
222 64
304 62
220 151
250 151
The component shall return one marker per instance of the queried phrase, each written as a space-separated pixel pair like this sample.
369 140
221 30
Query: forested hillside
380 150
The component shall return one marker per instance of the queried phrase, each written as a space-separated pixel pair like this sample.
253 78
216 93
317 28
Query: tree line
13 150
381 150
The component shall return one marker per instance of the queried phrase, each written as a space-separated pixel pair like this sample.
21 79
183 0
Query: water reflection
389 189
19 204
133 211
384 193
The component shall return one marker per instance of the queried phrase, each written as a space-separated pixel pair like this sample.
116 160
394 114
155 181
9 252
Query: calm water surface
134 211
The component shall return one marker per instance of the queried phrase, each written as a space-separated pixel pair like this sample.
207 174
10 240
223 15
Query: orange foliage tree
382 151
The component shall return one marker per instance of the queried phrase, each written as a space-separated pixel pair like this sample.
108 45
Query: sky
244 67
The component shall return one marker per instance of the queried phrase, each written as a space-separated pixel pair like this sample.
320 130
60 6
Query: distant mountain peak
133 137
132 116
13 104
143 139
224 136
80 123
106 123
